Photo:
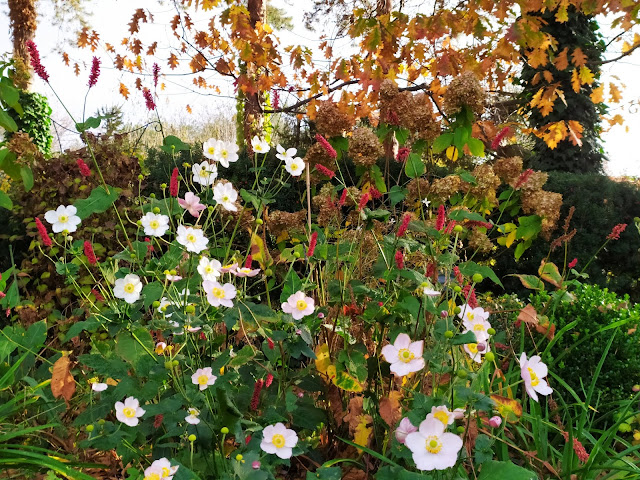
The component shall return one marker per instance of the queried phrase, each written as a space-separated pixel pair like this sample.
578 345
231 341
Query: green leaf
469 268
476 147
494 470
152 292
464 338
5 201
378 179
27 177
549 272
467 177
7 122
414 167
242 357
10 95
35 336
442 142
459 215
129 349
397 194
521 248
172 144
97 202
483 450
91 122
531 282
91 324
325 473
13 296
9 165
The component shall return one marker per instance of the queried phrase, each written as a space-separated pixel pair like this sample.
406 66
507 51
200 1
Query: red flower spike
312 244
363 201
85 171
248 262
148 98
399 258
326 146
573 263
458 275
404 225
173 185
95 72
268 381
255 399
450 226
501 136
156 74
44 235
98 295
35 61
440 219
343 197
523 178
617 230
157 420
88 251
375 193
270 343
403 154
325 171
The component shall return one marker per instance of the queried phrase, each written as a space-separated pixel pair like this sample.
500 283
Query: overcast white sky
110 19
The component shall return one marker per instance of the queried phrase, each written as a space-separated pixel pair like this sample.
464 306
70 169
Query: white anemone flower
246 272
155 224
160 469
404 355
259 145
129 412
443 414
432 448
227 153
128 288
225 195
204 173
279 439
287 154
299 305
192 239
63 218
192 418
218 294
472 314
203 377
533 372
210 149
160 348
97 386
209 269
295 166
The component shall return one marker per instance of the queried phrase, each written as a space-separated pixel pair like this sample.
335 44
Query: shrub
577 352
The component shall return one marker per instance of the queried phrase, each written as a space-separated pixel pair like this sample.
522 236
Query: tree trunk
252 115
23 24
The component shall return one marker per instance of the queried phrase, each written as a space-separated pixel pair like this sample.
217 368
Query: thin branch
295 106
625 54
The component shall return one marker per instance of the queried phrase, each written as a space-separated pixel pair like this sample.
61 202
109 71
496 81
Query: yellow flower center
442 416
478 327
93 380
225 198
191 238
278 440
294 166
152 476
433 444
228 266
154 224
204 173
165 472
470 316
535 381
405 355
301 305
224 154
218 292
473 347
160 350
208 269
211 150
129 412
63 219
203 380
194 412
129 288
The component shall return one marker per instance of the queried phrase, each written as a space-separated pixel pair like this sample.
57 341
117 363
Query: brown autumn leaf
354 412
390 408
173 61
529 316
124 91
62 382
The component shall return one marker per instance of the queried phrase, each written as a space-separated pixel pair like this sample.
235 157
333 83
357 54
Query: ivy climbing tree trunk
23 24
580 44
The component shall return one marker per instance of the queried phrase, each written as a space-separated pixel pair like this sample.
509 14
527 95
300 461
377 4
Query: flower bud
457 289
89 428
259 221
481 347
255 465
477 278
444 313
224 430
152 195
192 438
239 457
156 210
495 421
489 356
457 228
155 304
163 186
457 310
175 363
101 421
140 177
448 334
491 331
190 309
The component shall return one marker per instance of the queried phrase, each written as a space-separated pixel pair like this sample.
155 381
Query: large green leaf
97 202
494 470
130 349
469 268
442 142
5 201
27 177
7 122
414 166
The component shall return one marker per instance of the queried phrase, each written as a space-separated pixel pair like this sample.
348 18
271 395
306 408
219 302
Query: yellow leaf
510 239
189 110
258 252
548 76
509 409
345 381
124 91
323 360
363 432
575 81
586 76
561 62
452 153
597 96
562 15
616 94
575 132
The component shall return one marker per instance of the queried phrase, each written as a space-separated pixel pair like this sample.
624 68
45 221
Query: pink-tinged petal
416 364
286 308
140 412
431 426
450 443
417 348
543 388
132 422
131 402
390 353
400 369
268 432
290 438
532 393
284 452
523 360
268 447
540 369
415 441
402 341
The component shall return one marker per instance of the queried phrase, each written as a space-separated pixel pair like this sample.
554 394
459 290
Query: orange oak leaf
62 382
124 91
